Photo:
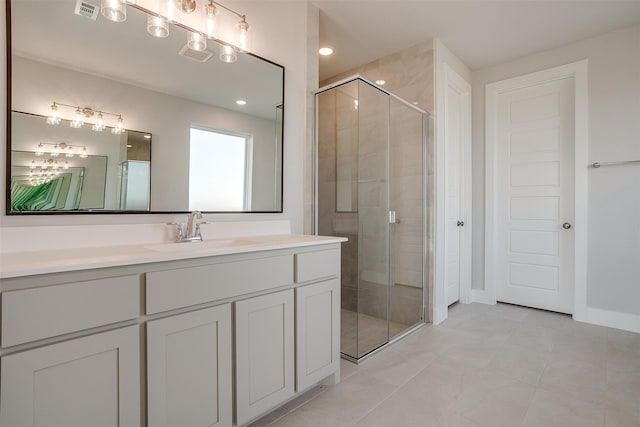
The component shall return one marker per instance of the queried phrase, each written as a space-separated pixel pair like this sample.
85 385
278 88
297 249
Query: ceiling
481 33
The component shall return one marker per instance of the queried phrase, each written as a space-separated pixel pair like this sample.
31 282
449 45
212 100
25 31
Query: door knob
460 223
566 226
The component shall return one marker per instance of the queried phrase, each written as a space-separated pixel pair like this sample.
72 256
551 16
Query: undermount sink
201 246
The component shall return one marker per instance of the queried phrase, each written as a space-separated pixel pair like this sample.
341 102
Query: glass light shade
77 120
119 127
33 164
114 10
196 41
56 151
69 152
66 165
157 26
83 153
98 126
53 118
210 19
228 54
243 35
40 150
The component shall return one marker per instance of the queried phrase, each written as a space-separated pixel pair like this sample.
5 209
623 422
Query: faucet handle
179 230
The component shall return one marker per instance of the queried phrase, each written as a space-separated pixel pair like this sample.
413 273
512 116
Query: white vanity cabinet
215 340
189 369
88 381
264 353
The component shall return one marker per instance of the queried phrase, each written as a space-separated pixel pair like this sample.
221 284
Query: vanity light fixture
61 148
168 11
114 10
325 51
82 114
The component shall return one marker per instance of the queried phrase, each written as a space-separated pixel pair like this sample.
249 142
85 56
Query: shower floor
370 331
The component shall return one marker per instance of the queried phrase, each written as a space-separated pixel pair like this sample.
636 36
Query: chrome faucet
191 231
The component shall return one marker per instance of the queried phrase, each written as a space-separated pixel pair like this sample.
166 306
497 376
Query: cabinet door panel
264 353
90 381
317 332
189 369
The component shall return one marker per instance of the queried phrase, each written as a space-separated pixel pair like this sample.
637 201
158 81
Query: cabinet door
264 353
91 381
189 369
317 332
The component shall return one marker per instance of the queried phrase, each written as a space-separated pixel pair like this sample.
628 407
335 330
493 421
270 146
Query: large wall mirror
104 117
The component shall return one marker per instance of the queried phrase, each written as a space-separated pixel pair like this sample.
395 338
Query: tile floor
488 366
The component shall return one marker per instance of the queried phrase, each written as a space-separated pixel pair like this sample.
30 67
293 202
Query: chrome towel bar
596 165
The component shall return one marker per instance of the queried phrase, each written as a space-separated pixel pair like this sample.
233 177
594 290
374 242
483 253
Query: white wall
613 276
284 44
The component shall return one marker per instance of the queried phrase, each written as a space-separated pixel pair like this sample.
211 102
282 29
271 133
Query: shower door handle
392 218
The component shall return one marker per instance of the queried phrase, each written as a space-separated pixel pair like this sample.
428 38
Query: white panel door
454 207
264 353
534 244
189 369
317 332
90 381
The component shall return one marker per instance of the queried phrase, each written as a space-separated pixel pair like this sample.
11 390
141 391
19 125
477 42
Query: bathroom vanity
168 334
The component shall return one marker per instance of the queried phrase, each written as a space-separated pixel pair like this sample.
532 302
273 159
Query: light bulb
98 126
83 153
33 164
169 9
196 41
40 150
114 10
119 127
53 118
77 120
56 151
69 152
66 165
210 21
157 26
243 35
228 54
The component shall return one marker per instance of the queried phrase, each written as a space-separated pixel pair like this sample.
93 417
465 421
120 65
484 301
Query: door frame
579 72
454 81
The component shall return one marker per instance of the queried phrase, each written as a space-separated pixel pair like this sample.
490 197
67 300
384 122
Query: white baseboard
482 296
611 319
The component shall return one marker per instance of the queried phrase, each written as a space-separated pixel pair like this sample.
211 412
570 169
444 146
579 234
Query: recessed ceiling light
380 82
325 51
416 103
129 145
241 102
147 136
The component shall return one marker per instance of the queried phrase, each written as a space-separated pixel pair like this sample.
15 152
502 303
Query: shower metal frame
425 221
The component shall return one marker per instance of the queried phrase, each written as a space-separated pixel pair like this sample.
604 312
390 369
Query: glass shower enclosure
370 188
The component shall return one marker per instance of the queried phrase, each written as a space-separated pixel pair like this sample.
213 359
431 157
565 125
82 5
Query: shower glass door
370 165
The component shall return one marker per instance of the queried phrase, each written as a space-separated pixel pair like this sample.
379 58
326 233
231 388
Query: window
219 170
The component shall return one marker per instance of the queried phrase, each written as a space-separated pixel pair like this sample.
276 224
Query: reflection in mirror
154 84
62 168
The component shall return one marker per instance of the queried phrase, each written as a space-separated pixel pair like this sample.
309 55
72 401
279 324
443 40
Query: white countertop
17 264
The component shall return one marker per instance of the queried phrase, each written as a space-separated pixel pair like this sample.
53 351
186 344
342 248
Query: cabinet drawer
170 289
317 264
33 314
